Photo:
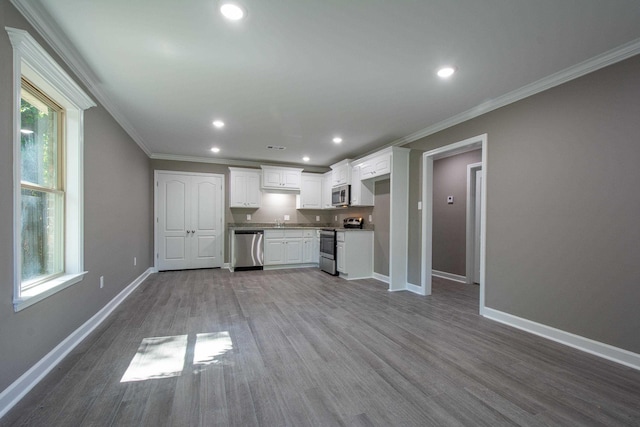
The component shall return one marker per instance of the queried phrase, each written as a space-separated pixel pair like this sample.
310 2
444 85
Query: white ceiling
298 72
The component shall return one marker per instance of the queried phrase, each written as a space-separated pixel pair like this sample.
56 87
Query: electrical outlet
370 218
101 282
286 217
135 261
335 218
248 217
317 218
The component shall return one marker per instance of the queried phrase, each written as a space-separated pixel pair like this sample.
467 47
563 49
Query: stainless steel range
328 252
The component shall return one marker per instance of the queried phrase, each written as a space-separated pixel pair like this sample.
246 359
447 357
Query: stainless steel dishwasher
248 252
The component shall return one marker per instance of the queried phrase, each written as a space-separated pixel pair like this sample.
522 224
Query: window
41 186
48 142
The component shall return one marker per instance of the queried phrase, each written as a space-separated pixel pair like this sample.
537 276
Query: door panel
175 248
175 209
206 247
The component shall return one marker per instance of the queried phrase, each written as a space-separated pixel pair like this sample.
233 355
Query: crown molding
618 54
41 20
45 25
232 162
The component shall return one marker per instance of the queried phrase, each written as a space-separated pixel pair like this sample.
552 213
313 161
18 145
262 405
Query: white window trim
33 62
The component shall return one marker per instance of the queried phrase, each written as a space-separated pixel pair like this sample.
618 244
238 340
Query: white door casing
189 220
472 248
428 157
477 235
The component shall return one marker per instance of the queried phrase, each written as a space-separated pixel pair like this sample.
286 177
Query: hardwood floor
300 347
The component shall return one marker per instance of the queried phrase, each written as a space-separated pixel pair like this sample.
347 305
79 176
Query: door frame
471 216
223 231
428 158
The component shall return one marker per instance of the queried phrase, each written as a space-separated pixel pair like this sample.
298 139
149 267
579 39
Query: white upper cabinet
244 188
341 173
361 193
376 166
274 177
326 190
310 196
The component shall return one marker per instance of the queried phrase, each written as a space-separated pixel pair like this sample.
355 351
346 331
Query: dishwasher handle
249 232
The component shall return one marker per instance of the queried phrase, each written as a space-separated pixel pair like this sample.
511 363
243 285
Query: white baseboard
449 276
288 266
606 351
20 387
381 277
415 289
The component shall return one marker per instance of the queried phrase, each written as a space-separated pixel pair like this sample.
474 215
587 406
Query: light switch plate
248 217
370 218
419 206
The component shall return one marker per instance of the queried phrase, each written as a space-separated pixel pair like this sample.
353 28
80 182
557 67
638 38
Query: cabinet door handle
188 231
193 231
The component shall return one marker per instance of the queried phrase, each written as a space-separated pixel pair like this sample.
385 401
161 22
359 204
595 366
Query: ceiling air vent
276 147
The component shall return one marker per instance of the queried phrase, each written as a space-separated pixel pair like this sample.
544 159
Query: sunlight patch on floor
165 357
210 346
157 357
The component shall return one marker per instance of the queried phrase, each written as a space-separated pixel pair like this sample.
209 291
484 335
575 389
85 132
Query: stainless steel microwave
341 195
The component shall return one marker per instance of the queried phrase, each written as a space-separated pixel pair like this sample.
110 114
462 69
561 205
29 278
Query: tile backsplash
277 205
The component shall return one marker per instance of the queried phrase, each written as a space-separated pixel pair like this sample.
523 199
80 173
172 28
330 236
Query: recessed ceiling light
218 123
306 158
445 72
337 140
215 149
232 11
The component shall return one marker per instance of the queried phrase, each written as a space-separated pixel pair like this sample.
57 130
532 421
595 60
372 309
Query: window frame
31 61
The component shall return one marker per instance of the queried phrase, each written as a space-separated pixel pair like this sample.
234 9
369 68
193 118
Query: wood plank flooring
302 348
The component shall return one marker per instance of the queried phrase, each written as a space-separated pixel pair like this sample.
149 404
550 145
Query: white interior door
206 221
189 218
172 221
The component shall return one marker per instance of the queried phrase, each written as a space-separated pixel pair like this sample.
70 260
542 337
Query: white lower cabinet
293 251
310 247
286 247
273 251
340 255
355 254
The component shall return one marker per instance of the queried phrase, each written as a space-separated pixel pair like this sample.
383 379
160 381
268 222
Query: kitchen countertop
270 226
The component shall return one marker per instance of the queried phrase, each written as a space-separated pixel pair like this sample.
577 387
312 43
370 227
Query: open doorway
477 142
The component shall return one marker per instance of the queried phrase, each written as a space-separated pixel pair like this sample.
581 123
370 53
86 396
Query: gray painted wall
450 221
117 209
563 240
381 236
415 218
